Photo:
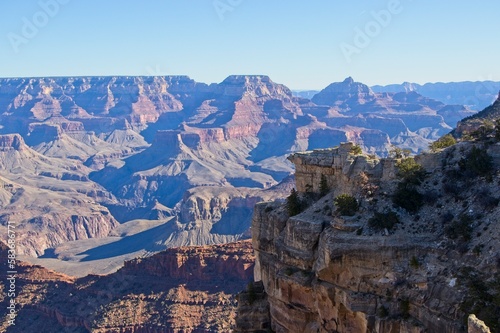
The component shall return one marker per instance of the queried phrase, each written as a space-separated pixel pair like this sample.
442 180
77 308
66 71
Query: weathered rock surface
323 272
476 326
189 289
48 200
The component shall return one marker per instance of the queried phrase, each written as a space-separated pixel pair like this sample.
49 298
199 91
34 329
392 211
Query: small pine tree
410 171
293 205
323 186
346 204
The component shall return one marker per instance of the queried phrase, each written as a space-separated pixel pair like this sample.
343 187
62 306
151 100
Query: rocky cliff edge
323 272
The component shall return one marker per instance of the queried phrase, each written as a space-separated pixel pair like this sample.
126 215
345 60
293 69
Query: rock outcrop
480 121
323 272
477 326
190 289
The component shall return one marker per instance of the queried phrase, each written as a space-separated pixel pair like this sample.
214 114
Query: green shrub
252 295
410 171
484 131
356 150
404 306
293 203
397 152
383 312
482 297
408 197
477 163
414 263
385 220
497 130
443 142
268 209
323 186
347 205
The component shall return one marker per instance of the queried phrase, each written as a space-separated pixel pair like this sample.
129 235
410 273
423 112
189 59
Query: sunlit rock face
323 272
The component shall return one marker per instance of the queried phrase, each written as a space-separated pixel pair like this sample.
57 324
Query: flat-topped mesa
206 135
345 171
42 132
225 263
11 141
174 138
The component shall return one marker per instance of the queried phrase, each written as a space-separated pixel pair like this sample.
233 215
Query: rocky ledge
325 272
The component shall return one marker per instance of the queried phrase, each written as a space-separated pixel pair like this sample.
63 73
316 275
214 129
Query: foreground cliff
421 268
190 289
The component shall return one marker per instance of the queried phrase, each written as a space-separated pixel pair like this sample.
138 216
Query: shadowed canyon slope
190 289
124 148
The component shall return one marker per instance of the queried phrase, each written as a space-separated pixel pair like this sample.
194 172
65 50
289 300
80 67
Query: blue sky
303 44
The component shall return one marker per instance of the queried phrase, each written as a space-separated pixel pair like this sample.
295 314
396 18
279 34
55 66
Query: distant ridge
476 95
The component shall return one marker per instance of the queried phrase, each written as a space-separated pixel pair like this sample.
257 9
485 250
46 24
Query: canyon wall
324 272
189 289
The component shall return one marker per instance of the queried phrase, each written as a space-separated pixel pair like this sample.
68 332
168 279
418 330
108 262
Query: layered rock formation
148 147
48 200
323 272
180 290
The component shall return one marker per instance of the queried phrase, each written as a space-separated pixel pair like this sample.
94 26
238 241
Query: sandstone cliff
191 289
323 272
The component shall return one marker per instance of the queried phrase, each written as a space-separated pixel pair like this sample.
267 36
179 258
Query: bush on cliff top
443 142
385 220
410 171
347 205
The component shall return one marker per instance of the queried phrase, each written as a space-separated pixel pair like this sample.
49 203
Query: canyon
324 271
196 157
186 289
113 180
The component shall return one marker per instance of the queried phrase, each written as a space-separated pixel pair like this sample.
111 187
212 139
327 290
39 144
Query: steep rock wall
323 272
